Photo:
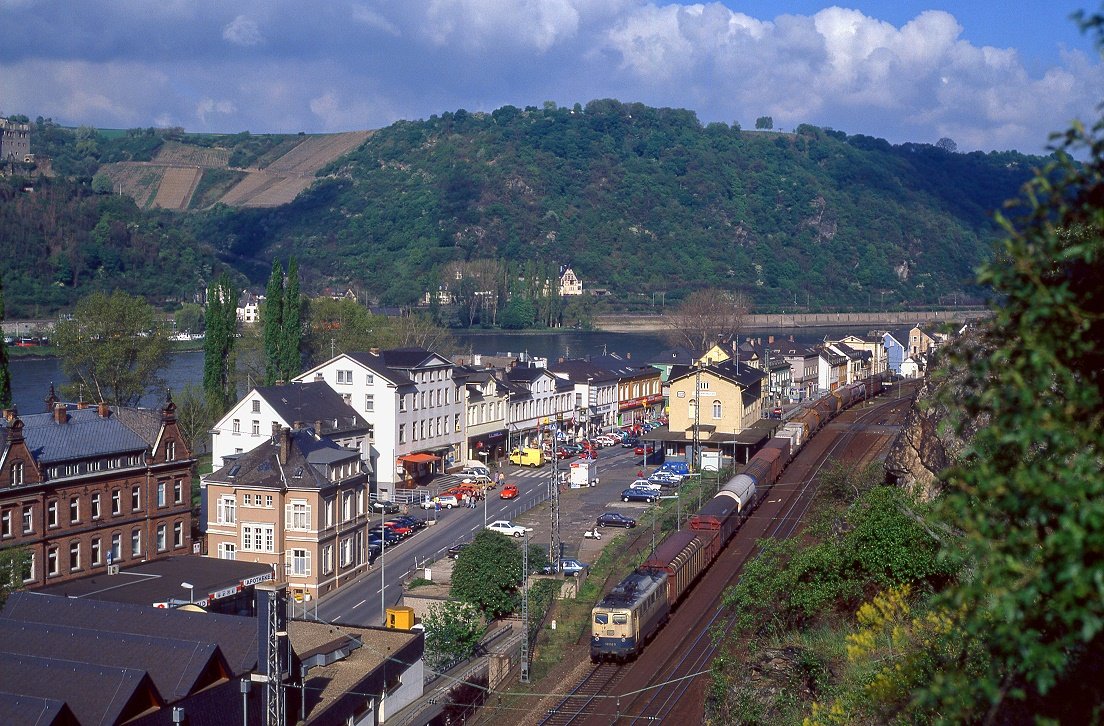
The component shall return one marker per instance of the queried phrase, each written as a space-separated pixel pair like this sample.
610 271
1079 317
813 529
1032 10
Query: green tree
292 334
1029 494
218 345
488 574
189 318
195 416
14 563
272 317
452 631
112 348
343 326
764 123
5 372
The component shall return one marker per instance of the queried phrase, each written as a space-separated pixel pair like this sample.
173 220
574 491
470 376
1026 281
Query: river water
31 378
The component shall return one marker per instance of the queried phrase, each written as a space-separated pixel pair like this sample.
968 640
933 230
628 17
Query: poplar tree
5 374
272 316
292 324
218 344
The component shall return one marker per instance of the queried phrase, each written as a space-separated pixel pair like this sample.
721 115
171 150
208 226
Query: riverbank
795 321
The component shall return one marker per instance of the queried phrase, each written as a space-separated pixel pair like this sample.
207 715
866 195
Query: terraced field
177 185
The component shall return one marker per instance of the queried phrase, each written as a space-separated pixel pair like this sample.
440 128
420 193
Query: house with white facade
895 352
414 400
570 284
594 401
831 370
804 372
538 400
485 433
249 308
872 344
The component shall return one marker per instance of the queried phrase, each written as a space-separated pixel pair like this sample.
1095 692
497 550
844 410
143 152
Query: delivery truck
527 457
583 473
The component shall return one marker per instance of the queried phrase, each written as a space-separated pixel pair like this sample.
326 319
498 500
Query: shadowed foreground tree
488 574
706 317
218 345
112 348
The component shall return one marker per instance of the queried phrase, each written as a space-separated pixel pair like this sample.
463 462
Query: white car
646 484
508 528
447 501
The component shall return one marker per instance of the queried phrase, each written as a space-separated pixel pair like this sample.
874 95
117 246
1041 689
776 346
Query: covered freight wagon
683 556
723 512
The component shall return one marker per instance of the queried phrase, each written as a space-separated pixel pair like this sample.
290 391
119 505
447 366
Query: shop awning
419 458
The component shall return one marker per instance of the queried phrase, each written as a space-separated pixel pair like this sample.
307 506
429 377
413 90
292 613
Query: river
31 378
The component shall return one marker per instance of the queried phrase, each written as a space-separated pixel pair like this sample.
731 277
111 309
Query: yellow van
527 457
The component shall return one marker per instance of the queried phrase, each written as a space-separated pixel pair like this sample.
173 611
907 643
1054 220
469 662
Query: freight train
636 608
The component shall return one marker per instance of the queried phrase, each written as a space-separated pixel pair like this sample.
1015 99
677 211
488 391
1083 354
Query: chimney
374 351
770 340
82 404
103 409
275 430
628 355
318 377
318 428
9 414
285 445
60 415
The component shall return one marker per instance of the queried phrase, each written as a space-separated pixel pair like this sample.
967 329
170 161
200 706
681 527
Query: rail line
674 675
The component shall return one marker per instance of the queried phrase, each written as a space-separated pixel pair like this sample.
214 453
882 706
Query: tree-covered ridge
641 199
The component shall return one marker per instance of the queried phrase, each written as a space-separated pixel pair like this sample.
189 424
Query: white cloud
371 18
208 106
482 24
242 31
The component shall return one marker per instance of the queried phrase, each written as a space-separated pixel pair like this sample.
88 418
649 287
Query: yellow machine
527 457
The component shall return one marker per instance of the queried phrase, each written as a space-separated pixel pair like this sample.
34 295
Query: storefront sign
255 579
227 592
641 401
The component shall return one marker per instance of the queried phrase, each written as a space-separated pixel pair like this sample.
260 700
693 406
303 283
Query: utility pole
554 501
525 610
696 454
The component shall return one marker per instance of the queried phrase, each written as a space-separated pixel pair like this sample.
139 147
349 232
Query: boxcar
765 466
628 616
683 556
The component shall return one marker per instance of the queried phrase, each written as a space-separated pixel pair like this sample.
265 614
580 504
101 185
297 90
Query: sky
989 75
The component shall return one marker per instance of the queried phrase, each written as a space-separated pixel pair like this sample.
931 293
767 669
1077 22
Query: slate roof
579 371
623 367
84 434
19 709
235 636
307 464
313 402
730 370
675 356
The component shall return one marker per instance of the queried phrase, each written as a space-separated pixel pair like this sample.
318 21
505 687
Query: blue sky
988 75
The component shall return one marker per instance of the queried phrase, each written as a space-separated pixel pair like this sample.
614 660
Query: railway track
657 687
577 705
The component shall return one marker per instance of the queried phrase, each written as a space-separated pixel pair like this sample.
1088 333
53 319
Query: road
360 602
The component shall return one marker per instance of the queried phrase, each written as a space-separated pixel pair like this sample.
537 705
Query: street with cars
400 547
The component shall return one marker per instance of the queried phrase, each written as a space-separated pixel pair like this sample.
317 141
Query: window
402 401
6 524
136 543
178 492
346 552
226 510
97 552
456 422
116 501
226 550
162 536
52 561
17 473
256 406
369 379
369 402
136 497
235 427
346 506
74 510
51 514
716 409
161 494
301 563
247 500
116 553
347 398
703 385
94 503
329 507
327 559
170 451
268 500
259 537
256 427
29 569
345 377
402 433
178 534
297 515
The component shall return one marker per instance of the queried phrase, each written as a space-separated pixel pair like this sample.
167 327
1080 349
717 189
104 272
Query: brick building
83 487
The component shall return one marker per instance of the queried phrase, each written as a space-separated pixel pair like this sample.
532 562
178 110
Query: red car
398 528
640 450
589 454
562 454
509 491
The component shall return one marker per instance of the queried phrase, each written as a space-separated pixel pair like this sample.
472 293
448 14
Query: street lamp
191 592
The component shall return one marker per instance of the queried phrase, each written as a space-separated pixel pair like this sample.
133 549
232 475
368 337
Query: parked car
641 449
508 528
384 534
562 453
639 495
384 507
480 481
413 522
666 477
569 567
648 484
373 551
614 519
447 501
630 443
509 491
400 528
456 549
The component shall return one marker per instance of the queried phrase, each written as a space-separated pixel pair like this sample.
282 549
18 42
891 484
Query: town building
570 284
539 401
874 344
859 363
15 142
895 352
592 404
486 400
249 423
922 340
248 309
84 488
804 372
297 503
413 399
639 389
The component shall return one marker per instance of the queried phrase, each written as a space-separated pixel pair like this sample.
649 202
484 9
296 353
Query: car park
509 491
508 528
380 507
614 519
639 495
446 501
569 567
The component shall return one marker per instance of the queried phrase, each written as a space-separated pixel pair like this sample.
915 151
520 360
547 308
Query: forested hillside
638 200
